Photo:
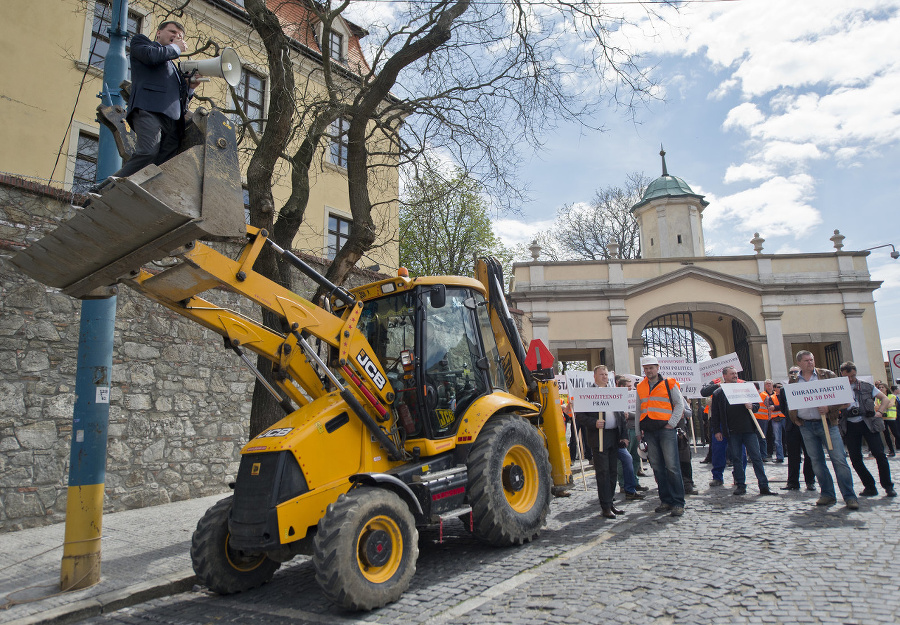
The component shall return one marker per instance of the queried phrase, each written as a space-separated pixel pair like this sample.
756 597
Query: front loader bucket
146 216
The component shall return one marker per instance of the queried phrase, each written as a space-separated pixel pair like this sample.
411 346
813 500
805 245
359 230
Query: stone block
40 435
34 361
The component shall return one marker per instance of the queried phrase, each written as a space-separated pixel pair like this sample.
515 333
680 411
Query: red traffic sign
538 356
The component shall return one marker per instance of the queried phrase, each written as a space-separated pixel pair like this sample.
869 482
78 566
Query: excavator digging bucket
142 218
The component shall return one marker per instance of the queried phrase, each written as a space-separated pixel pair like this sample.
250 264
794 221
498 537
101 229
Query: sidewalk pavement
145 554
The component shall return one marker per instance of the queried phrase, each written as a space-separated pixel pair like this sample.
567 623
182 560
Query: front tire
219 567
365 549
509 488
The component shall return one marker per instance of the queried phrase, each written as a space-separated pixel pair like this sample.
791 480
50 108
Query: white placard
683 372
691 390
580 379
709 370
820 393
598 399
102 395
632 401
739 393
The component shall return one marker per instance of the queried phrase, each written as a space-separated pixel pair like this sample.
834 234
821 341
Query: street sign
538 356
894 360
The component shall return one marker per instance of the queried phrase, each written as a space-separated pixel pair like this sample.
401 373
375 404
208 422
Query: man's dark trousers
158 138
853 442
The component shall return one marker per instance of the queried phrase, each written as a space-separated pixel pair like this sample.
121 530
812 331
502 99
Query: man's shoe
853 504
868 492
663 507
767 491
779 460
706 460
791 487
642 473
891 454
890 493
677 511
633 496
617 511
810 487
641 488
607 514
740 490
825 500
691 491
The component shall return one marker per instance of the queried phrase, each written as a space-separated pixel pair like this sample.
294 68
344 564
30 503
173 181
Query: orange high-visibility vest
776 404
655 404
763 412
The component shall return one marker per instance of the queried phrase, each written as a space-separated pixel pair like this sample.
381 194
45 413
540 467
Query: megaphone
227 66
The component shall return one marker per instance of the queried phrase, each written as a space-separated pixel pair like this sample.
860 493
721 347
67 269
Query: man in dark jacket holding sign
604 432
735 422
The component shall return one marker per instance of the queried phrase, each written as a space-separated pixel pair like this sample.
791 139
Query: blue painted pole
90 419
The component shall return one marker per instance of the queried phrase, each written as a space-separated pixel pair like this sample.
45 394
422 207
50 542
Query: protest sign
580 379
598 399
690 390
683 372
820 393
740 393
563 384
709 370
632 401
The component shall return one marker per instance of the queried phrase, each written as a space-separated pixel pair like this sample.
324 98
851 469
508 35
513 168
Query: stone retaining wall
179 405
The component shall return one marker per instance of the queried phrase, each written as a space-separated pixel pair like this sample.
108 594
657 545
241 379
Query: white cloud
746 115
777 207
748 172
513 231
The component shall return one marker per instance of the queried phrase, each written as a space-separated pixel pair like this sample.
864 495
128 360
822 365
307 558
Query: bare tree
474 81
584 232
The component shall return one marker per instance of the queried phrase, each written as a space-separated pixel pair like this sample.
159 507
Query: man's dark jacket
588 420
156 84
718 412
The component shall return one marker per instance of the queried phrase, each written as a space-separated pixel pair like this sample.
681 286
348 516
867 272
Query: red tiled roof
299 23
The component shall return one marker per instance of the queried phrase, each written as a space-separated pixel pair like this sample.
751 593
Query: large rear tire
219 567
509 482
365 549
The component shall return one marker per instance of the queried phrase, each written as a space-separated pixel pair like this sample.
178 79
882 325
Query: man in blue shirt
813 432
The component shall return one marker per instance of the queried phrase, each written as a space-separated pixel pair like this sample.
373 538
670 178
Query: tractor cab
438 351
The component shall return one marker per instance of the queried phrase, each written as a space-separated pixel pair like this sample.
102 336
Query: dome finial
662 153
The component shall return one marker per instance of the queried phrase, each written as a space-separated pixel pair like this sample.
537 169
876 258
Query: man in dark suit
158 98
604 432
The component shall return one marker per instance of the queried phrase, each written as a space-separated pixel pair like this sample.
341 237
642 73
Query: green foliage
445 225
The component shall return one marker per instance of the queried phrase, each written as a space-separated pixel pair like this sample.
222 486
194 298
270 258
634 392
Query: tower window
651 241
679 239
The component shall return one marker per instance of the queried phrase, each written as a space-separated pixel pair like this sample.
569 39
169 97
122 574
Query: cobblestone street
727 560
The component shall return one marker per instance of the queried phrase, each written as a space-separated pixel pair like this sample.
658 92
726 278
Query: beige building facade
54 51
765 307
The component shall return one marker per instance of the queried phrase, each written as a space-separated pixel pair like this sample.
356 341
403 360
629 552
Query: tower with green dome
670 218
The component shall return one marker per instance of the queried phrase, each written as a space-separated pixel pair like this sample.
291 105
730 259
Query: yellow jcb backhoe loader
407 401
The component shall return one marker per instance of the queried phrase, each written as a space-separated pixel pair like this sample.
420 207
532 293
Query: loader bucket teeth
135 220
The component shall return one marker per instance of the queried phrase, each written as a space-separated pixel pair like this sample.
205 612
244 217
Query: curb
162 586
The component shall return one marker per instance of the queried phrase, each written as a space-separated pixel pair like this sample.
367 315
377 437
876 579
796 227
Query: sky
785 115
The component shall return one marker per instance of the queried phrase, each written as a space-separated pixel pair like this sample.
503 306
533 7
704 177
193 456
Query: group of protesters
737 431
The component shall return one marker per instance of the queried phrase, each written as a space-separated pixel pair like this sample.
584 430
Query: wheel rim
240 561
379 549
520 478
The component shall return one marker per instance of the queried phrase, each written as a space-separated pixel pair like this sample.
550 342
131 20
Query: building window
336 46
339 141
338 233
100 35
85 163
679 239
250 97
